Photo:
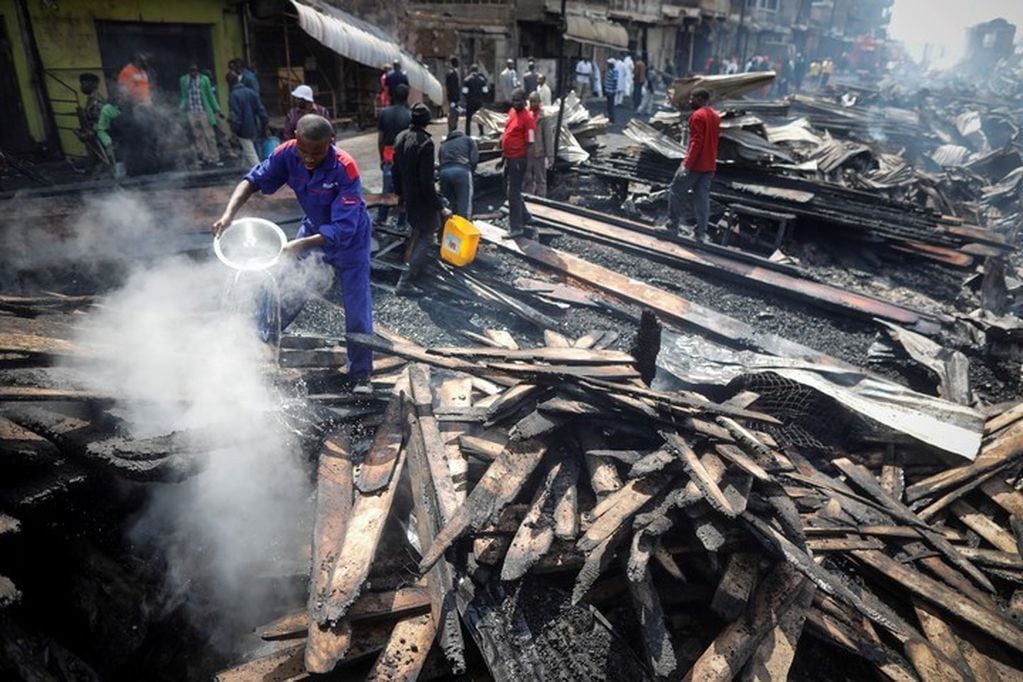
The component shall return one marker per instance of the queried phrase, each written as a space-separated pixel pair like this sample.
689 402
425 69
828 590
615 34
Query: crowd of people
135 134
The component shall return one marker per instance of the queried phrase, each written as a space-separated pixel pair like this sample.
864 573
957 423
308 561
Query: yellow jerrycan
459 242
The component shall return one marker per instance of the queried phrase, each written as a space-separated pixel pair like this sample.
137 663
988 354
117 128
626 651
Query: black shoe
407 290
512 234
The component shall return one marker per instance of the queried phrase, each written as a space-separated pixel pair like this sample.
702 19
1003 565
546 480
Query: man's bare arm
241 194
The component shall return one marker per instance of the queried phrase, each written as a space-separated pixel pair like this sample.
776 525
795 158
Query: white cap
303 92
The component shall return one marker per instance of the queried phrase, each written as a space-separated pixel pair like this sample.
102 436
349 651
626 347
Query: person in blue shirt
336 227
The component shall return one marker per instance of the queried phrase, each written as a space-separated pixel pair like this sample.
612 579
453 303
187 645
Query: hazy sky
943 21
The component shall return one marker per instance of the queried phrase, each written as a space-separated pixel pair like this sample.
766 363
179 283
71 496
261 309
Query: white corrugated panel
362 42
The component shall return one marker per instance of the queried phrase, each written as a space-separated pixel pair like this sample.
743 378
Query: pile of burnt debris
685 509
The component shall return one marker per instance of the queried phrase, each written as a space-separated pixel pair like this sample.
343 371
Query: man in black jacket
453 88
248 119
413 183
474 88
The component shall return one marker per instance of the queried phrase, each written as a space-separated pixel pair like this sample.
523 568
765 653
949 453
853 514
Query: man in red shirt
697 170
516 145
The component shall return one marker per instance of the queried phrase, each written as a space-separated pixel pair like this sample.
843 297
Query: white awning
595 31
362 42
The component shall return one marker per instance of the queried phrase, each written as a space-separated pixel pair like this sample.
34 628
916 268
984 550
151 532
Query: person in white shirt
583 78
625 79
624 74
543 90
507 81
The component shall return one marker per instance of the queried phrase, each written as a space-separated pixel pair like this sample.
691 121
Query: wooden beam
500 484
369 515
673 308
944 597
326 645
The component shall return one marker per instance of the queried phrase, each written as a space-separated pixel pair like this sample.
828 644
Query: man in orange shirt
134 79
516 145
697 170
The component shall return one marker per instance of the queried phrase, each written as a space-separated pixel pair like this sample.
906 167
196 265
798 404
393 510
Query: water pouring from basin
253 246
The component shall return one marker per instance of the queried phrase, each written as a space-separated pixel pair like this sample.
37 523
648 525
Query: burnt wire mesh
809 419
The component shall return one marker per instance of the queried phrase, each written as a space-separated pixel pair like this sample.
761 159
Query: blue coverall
331 197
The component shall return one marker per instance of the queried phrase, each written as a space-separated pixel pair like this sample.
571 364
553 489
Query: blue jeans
456 187
384 211
678 197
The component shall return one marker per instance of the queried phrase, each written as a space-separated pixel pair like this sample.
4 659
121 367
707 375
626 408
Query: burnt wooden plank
984 527
777 650
1005 450
944 597
284 664
724 658
432 442
326 645
404 601
736 586
404 655
378 467
535 535
862 478
369 515
941 636
707 485
655 636
500 484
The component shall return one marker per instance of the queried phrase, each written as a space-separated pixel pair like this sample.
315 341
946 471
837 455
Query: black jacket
412 173
474 87
453 85
248 116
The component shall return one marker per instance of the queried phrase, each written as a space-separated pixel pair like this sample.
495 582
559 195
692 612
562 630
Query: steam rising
183 362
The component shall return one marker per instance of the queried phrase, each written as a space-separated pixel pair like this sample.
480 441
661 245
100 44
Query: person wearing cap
697 170
134 79
475 89
413 183
391 122
507 81
304 104
336 227
516 146
541 152
395 78
201 108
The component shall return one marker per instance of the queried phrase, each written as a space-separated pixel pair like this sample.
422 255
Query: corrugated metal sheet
595 31
362 42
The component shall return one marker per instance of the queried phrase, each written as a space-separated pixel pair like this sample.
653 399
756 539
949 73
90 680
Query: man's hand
293 249
446 213
548 163
500 163
221 224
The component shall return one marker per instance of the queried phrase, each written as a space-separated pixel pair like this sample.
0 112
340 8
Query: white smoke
179 360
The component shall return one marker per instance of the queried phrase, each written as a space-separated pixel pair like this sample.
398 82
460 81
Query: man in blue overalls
337 226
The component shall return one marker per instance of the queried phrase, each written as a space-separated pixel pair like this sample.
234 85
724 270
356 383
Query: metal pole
741 28
561 83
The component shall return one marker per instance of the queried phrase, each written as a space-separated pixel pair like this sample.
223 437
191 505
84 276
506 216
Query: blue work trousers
684 181
355 294
456 187
384 211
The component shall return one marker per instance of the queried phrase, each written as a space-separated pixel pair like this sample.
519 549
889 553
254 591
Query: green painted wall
65 34
29 101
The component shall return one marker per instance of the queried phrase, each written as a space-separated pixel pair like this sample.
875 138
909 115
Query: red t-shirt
516 138
704 130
